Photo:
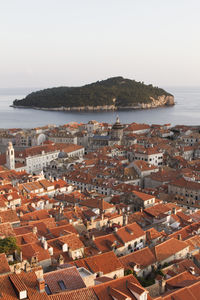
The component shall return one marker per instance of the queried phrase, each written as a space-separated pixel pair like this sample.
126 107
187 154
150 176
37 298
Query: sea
186 111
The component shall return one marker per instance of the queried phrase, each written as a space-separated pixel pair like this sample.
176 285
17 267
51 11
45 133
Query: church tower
10 157
117 130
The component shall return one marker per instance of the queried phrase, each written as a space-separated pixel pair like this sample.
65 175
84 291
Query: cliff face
161 101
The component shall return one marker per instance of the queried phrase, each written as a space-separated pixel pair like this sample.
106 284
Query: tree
8 245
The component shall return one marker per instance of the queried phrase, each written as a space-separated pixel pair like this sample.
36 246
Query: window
62 285
47 289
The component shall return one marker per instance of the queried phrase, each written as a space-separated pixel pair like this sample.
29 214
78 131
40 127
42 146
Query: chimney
93 237
60 260
51 251
162 286
174 210
39 273
20 256
17 269
27 267
45 245
119 211
125 219
41 285
192 270
179 237
35 230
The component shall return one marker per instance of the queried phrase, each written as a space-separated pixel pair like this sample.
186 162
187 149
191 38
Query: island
116 93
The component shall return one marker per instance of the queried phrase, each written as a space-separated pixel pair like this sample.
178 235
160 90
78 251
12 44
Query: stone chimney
179 237
162 286
20 256
17 269
125 219
60 260
51 251
35 230
45 245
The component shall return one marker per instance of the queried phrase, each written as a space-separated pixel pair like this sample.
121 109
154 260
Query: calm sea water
186 111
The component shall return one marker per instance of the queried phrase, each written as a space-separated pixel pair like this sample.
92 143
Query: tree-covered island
110 94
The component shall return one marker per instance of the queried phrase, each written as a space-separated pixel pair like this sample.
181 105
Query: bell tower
10 157
117 129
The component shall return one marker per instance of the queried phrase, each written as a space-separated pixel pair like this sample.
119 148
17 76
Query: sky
46 43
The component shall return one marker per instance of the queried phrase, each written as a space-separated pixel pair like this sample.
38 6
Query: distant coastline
95 108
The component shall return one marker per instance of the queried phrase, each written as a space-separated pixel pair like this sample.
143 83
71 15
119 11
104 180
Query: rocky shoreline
162 101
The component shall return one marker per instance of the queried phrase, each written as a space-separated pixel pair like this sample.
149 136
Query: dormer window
62 285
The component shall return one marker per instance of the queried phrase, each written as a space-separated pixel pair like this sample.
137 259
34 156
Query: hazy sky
45 43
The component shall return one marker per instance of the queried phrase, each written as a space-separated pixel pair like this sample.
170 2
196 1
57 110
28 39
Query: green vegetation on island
116 91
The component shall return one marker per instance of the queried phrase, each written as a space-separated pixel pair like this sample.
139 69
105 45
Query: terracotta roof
136 127
186 184
4 266
152 234
169 248
106 263
121 286
107 242
10 284
157 210
71 240
35 215
130 232
96 203
180 267
70 277
34 250
186 231
179 278
9 216
143 258
62 230
26 238
6 230
143 196
82 294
